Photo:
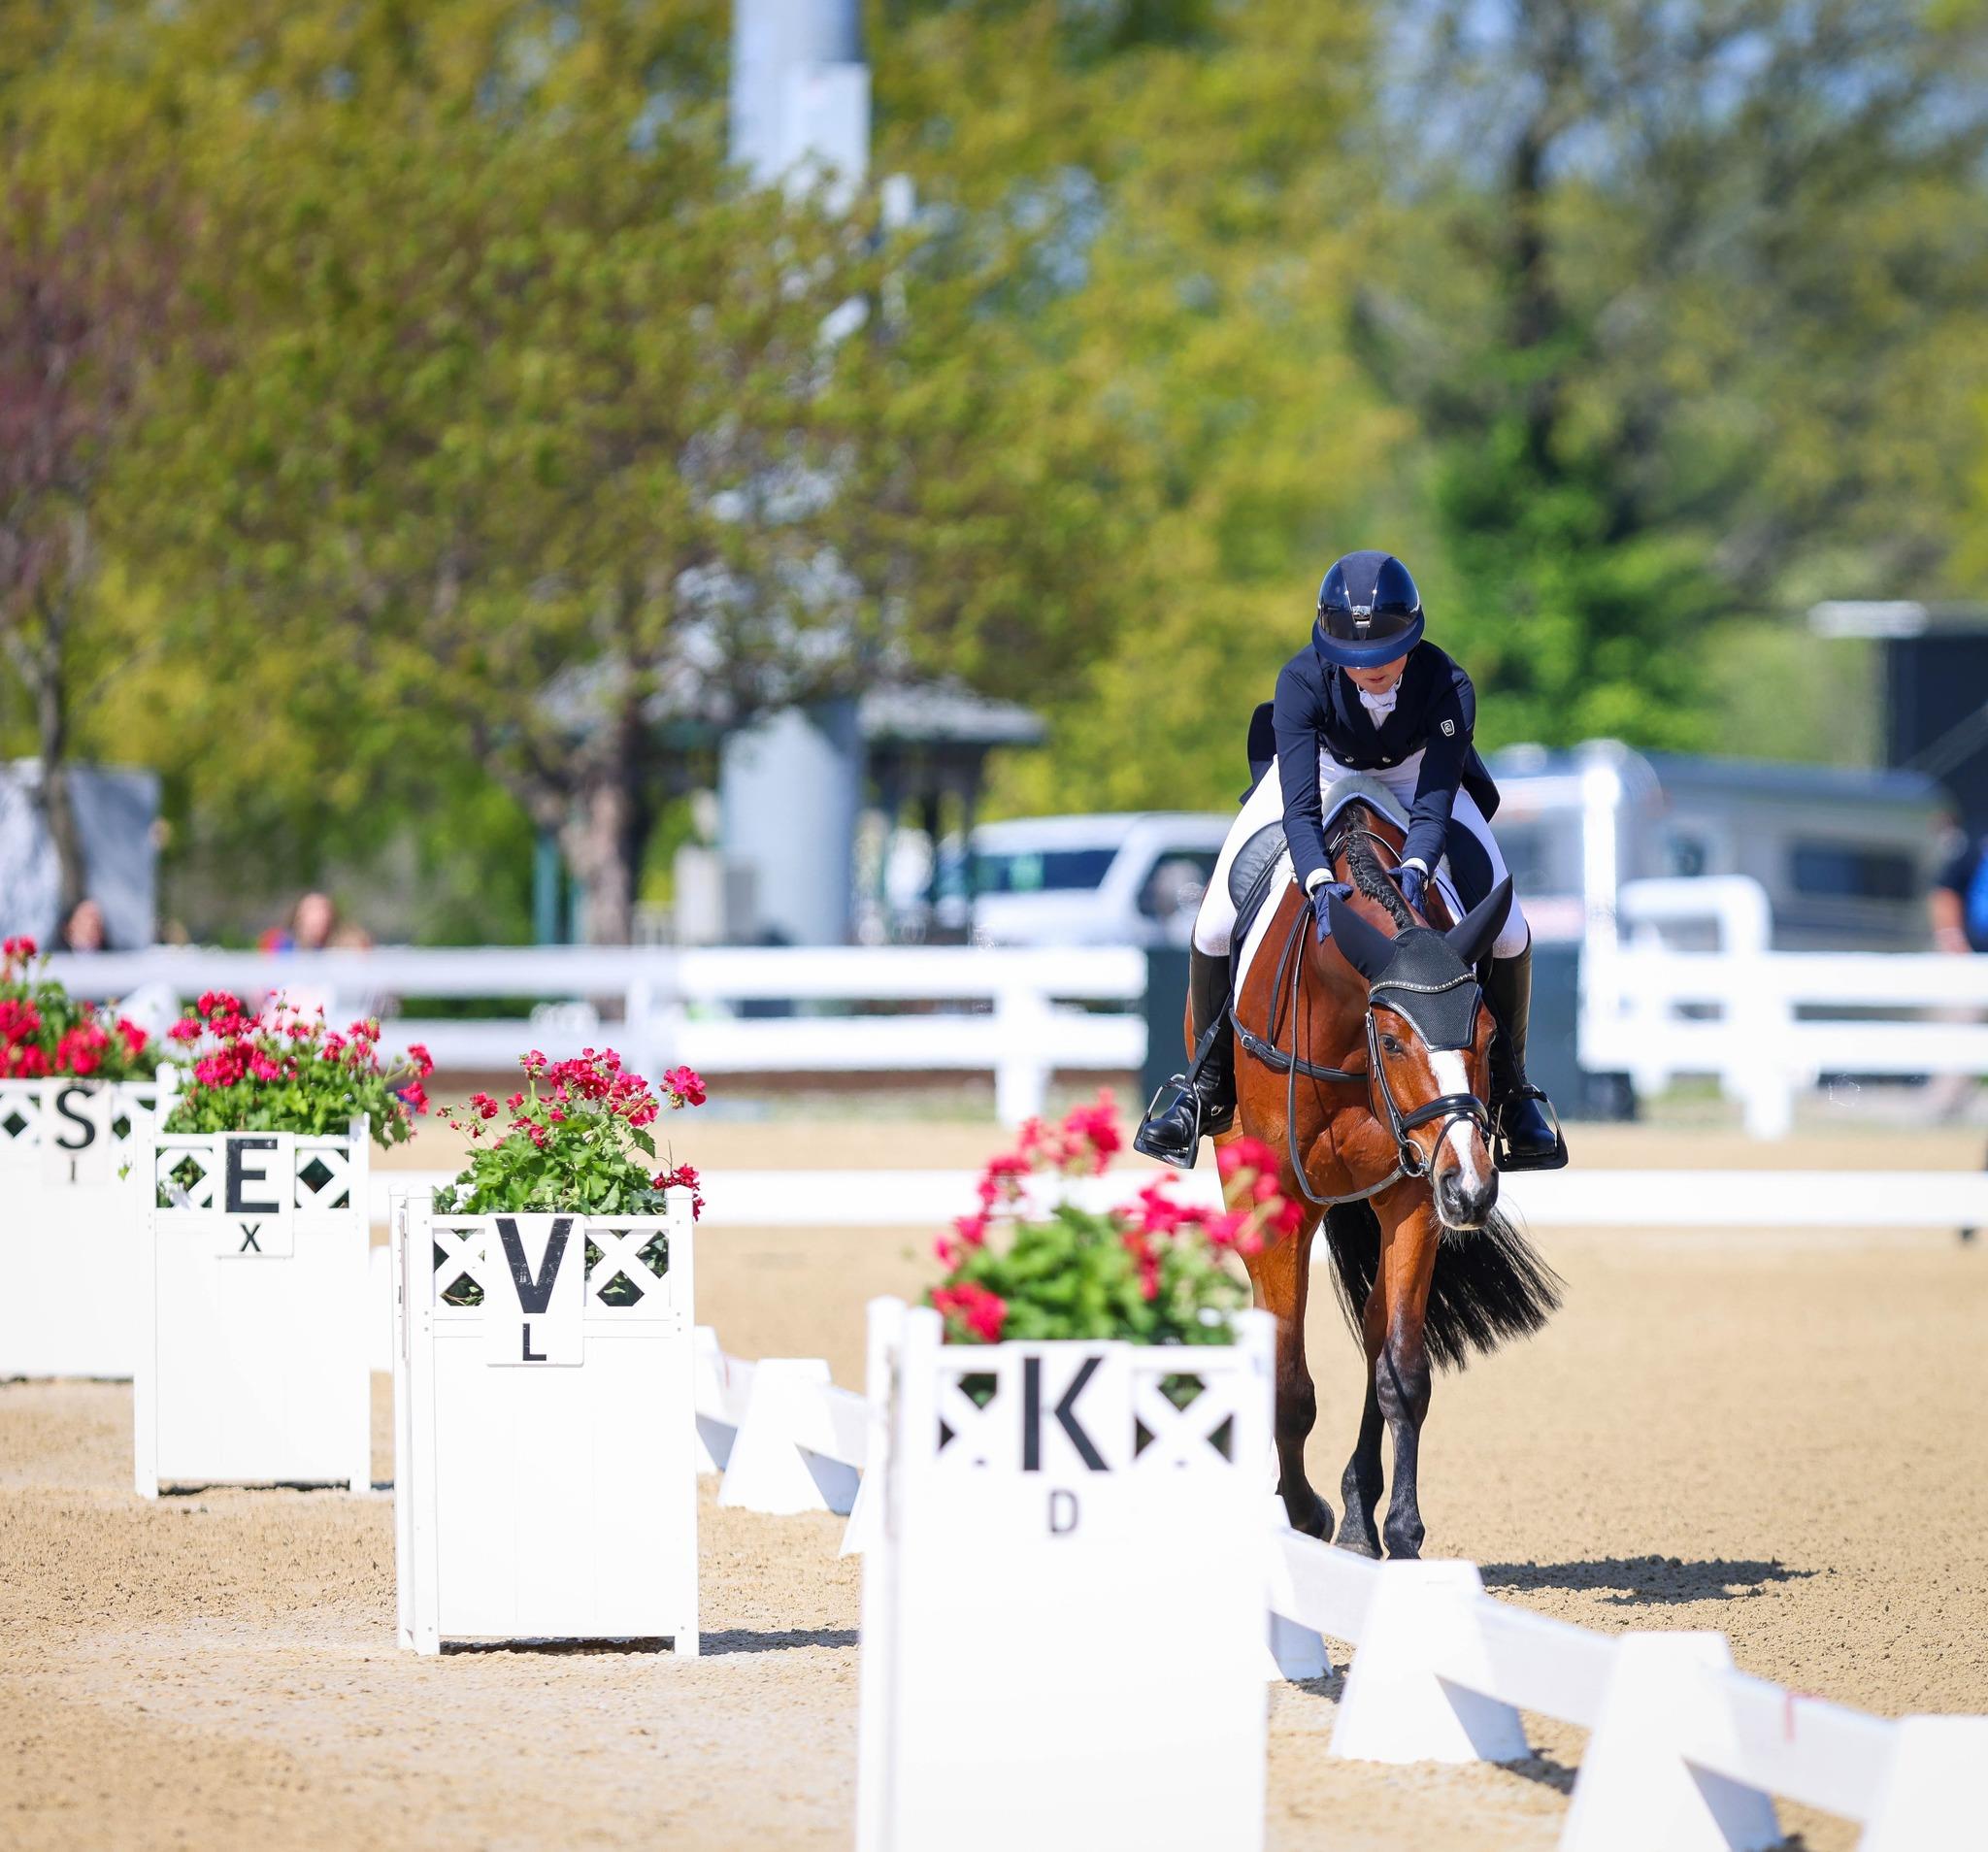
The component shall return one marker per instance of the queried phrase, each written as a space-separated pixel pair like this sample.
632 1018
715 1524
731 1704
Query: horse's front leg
1280 1277
1361 1485
1401 1369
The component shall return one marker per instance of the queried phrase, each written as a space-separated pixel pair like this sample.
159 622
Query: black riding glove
1323 892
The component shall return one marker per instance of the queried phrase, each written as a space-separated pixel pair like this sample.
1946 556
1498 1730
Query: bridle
1451 1108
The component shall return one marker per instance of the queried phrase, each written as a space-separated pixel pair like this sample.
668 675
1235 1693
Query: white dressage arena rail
845 1010
1769 1024
1554 1199
1685 1752
1766 1024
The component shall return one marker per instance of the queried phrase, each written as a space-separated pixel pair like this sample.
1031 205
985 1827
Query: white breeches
1215 924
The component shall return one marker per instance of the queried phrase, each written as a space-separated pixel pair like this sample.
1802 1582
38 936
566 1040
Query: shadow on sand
1648 1581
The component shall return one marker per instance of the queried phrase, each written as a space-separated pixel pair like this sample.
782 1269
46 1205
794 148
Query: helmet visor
1362 624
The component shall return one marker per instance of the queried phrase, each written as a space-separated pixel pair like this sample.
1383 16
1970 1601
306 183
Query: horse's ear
1367 948
1472 936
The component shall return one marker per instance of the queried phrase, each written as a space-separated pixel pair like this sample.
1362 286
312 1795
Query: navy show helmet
1368 611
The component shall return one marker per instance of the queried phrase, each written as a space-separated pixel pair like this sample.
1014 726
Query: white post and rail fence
1768 1025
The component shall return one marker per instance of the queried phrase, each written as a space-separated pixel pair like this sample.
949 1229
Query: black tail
1490 1284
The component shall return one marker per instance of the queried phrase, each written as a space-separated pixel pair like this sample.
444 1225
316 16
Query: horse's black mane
1364 866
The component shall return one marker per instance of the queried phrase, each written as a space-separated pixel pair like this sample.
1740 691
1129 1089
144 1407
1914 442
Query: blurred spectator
314 922
1959 906
1960 899
84 931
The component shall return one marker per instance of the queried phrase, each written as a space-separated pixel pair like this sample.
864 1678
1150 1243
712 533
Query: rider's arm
1296 717
1451 717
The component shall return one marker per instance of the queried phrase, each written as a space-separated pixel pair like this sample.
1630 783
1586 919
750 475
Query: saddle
1261 868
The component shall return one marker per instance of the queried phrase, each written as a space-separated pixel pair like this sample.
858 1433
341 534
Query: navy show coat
1435 714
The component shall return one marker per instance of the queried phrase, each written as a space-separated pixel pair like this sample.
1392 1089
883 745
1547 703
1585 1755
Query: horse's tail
1490 1284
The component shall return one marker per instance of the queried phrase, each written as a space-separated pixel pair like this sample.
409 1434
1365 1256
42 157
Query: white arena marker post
253 1364
1411 1693
1295 1651
768 1469
1933 1791
1064 1605
1637 1791
72 1224
715 1428
544 1425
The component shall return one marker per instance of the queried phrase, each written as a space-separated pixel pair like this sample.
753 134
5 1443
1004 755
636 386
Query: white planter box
252 1367
70 1225
1063 1608
544 1425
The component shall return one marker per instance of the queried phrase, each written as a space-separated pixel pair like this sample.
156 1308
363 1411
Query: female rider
1370 696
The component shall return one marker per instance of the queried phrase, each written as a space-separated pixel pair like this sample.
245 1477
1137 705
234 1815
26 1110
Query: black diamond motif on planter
462 1291
1223 1440
654 1254
620 1291
121 1126
14 1123
314 1176
1181 1391
946 1437
980 1387
1141 1437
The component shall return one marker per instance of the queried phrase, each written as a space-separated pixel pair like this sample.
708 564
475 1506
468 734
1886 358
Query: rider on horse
1367 696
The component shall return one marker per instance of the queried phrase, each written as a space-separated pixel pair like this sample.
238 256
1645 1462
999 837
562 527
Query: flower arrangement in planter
578 1139
1150 1272
284 1070
45 1032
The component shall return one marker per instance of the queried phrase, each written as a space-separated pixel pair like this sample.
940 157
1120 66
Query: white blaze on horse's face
1462 1138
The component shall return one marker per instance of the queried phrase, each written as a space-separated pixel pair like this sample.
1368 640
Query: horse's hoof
1403 1548
1360 1543
1309 1514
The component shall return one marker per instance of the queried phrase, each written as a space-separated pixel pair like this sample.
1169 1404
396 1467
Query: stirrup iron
1503 1157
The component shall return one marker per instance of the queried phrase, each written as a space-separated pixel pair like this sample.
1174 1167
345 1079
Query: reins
1448 1107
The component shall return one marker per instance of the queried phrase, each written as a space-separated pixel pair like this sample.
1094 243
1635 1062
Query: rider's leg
1529 1134
1205 1102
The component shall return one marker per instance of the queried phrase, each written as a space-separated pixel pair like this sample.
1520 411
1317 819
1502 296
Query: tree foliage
451 407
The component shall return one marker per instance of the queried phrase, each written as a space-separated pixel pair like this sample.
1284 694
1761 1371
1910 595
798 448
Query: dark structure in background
1935 666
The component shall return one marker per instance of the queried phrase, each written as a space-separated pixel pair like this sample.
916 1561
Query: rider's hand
1414 879
1322 892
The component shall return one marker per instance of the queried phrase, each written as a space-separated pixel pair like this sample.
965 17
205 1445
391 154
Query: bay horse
1363 1062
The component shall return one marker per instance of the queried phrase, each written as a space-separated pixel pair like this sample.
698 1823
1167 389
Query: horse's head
1429 1046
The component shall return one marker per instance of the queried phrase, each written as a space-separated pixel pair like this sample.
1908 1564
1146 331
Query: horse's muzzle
1463 1200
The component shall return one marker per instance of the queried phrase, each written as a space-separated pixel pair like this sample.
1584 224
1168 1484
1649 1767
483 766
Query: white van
1129 880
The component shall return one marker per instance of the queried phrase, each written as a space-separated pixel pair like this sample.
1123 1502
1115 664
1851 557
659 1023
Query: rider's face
1377 681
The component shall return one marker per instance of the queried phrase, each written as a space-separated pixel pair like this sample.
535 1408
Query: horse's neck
1332 996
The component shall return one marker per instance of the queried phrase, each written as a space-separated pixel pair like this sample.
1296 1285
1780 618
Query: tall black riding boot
1528 1133
1205 1099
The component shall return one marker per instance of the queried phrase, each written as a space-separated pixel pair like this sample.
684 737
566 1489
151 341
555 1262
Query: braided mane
1364 866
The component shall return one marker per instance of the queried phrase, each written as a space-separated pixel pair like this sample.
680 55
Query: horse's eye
1390 1045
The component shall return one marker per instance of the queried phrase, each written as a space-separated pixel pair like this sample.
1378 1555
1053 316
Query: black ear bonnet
1427 983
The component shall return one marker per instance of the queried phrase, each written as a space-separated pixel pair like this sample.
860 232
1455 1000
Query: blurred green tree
518 428
1686 301
1199 167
